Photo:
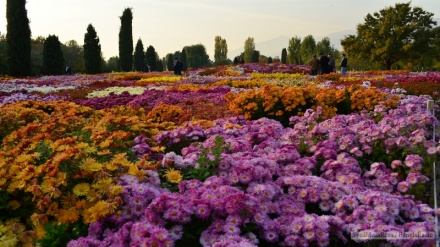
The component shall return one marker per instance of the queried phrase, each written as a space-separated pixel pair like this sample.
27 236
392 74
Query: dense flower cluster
299 161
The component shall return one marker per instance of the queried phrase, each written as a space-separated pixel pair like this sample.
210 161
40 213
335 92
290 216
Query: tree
294 50
324 46
113 64
18 38
249 48
126 41
74 55
393 34
3 62
284 56
139 57
183 59
195 56
37 48
92 51
269 60
170 61
151 58
308 48
220 51
255 56
53 59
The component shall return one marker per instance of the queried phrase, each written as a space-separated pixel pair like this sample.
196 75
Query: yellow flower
67 216
91 165
68 200
173 176
102 185
116 189
99 210
39 230
81 189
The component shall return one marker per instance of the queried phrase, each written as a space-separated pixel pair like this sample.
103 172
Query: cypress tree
184 60
92 51
170 61
284 56
139 57
53 59
18 38
151 58
126 41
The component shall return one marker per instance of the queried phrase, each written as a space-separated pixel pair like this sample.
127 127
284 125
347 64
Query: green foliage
255 56
92 51
393 34
284 56
53 59
170 61
324 46
308 48
151 58
139 57
249 48
18 38
126 41
208 160
220 51
113 64
196 56
183 59
74 56
60 234
294 50
3 61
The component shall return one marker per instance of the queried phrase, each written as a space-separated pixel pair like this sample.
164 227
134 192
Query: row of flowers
175 166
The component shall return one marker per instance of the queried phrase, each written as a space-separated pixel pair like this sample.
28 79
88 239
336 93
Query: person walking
314 65
343 64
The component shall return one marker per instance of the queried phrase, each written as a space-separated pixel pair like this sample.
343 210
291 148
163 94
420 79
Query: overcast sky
169 25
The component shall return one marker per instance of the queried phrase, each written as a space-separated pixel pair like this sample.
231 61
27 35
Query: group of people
326 64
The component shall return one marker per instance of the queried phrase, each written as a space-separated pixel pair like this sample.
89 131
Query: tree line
399 37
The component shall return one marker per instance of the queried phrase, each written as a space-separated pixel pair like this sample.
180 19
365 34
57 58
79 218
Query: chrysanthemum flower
173 176
81 189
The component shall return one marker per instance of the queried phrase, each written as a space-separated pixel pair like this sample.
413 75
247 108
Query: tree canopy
393 34
53 59
220 51
249 48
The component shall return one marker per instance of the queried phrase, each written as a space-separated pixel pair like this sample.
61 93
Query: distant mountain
335 38
273 47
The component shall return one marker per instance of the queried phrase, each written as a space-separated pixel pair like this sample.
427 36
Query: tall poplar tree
92 52
126 41
53 59
294 50
18 38
220 51
139 57
249 48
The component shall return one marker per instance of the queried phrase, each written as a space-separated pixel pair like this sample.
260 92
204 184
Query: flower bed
223 157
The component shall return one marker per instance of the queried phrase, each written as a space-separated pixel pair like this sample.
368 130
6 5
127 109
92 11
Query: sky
169 25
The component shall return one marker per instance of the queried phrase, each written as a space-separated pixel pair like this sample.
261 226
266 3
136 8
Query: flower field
247 155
